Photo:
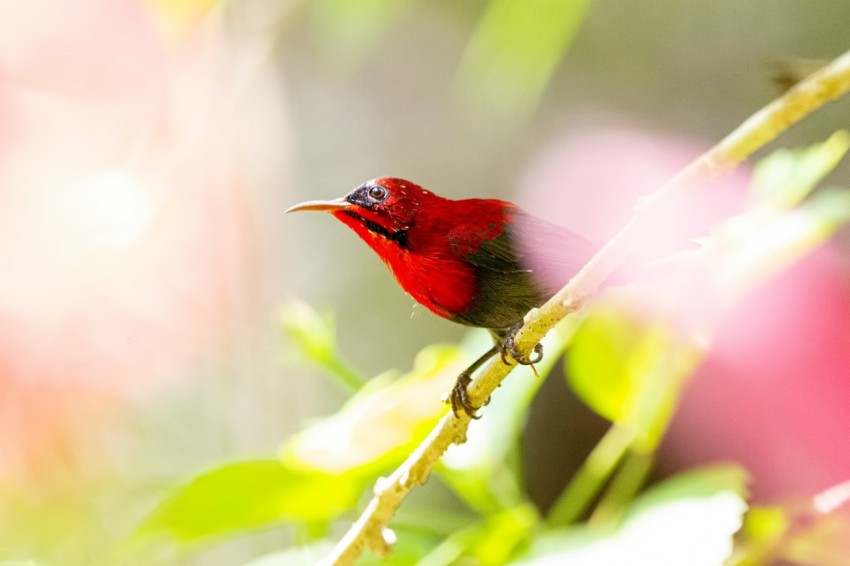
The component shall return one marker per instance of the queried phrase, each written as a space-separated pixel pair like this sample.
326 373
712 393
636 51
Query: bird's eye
378 193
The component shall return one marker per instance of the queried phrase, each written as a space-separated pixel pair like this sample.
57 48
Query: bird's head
380 211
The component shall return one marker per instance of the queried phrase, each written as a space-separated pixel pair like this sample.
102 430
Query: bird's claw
509 348
459 397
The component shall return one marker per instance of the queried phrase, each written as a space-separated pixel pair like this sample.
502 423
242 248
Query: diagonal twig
371 529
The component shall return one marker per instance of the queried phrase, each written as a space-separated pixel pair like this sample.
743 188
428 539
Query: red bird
478 262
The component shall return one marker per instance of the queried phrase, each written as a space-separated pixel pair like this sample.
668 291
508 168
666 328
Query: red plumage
479 262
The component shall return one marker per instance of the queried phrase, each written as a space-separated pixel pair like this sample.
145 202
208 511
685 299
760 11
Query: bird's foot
508 347
459 397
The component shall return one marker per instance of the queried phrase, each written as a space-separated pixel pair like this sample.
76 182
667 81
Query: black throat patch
399 236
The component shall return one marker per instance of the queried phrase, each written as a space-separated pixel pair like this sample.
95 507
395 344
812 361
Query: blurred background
149 147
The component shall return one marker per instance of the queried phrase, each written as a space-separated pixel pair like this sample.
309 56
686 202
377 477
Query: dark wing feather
499 254
551 253
522 267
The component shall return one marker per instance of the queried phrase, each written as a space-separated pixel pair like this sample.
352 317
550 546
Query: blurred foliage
177 19
312 337
783 222
625 364
629 370
245 495
323 469
411 546
490 541
688 519
513 54
508 62
382 423
351 29
786 177
762 532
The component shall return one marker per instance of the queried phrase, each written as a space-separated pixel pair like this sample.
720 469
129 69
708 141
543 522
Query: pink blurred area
593 180
126 219
774 391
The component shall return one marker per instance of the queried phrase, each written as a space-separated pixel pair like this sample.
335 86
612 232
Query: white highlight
111 208
831 499
389 536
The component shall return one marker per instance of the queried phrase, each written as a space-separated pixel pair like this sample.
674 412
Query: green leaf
313 334
500 535
629 370
689 519
314 337
829 209
488 542
379 426
761 536
707 482
248 495
591 477
599 362
786 177
514 52
766 524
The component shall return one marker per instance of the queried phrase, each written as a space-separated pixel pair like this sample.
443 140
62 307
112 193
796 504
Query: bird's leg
508 346
459 397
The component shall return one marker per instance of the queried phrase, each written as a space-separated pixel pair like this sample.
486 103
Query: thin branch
371 529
